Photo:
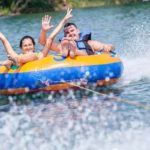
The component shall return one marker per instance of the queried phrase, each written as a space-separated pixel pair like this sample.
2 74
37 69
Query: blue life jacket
84 36
82 43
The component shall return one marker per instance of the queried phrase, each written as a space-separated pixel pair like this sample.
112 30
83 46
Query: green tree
28 6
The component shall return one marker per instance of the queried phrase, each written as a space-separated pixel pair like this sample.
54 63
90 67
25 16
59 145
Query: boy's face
72 32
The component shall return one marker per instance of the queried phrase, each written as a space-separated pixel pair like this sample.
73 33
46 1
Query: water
84 120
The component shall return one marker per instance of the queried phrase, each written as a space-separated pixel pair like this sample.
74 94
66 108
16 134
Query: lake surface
84 120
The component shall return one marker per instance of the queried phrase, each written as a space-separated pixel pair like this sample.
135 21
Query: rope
118 99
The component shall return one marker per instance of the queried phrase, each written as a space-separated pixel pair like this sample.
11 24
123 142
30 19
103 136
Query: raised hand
2 36
68 14
46 23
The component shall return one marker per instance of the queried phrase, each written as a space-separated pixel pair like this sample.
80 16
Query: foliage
28 6
4 11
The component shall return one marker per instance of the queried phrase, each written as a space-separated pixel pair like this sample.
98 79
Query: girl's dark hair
26 37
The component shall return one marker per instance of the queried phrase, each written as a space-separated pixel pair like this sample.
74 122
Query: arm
97 46
49 41
45 27
24 58
8 47
61 24
81 53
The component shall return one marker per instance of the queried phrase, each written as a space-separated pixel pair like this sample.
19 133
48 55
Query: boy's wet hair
26 37
69 24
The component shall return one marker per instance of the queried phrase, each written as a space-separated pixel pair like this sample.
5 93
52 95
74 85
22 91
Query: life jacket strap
88 48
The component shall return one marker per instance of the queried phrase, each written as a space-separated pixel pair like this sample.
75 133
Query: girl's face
27 45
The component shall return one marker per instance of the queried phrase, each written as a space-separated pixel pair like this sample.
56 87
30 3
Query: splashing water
82 120
136 69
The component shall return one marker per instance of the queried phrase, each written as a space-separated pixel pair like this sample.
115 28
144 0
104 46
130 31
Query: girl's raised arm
9 50
55 32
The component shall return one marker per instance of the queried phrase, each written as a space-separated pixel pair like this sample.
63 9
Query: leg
72 49
64 48
68 48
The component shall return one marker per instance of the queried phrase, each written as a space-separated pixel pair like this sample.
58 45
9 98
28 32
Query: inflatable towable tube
55 72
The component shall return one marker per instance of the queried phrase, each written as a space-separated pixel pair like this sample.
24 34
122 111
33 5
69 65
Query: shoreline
59 7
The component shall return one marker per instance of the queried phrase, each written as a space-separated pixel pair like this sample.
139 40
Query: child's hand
46 23
108 48
68 15
2 37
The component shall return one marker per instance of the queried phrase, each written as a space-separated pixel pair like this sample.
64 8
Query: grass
4 11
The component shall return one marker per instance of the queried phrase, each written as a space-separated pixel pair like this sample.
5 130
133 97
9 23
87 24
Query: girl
27 45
